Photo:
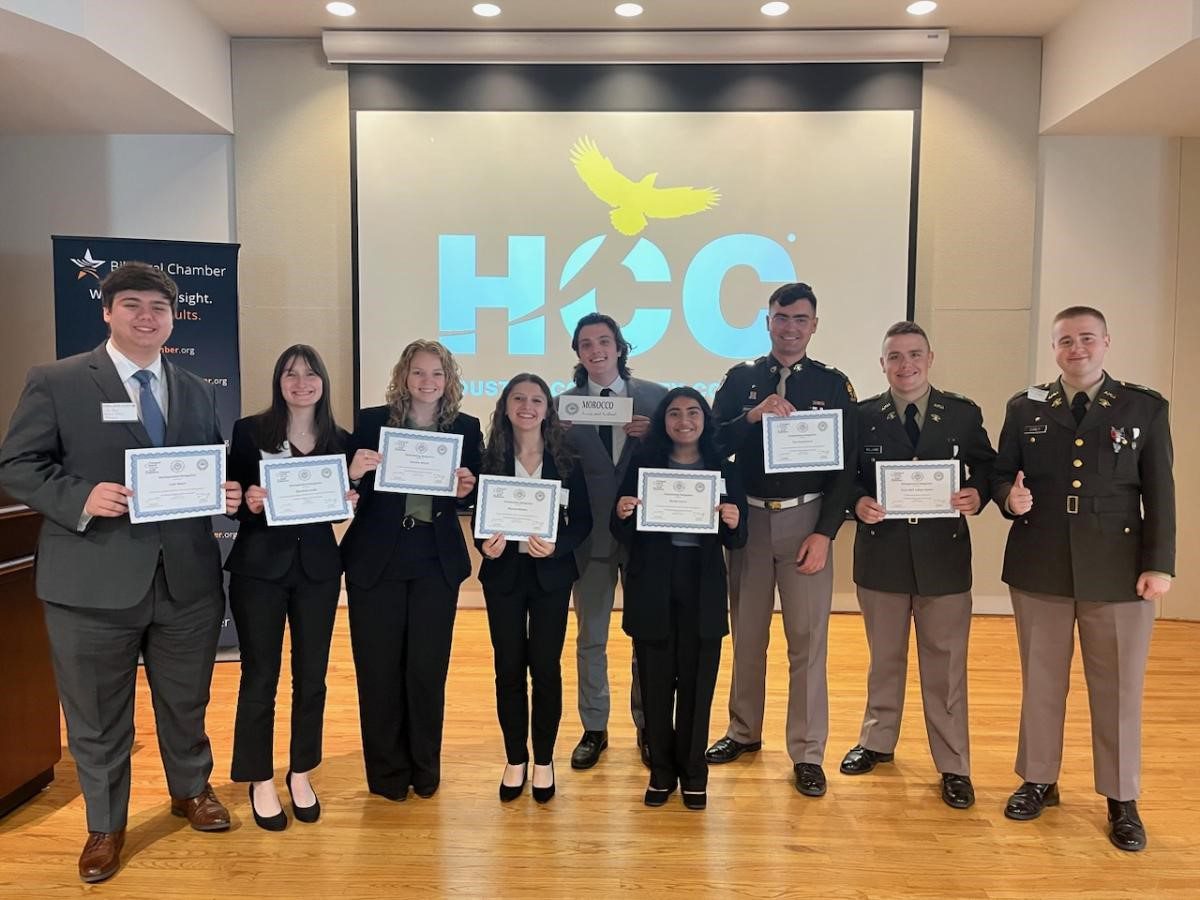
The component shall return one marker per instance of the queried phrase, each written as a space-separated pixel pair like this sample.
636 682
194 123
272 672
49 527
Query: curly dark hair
658 444
500 433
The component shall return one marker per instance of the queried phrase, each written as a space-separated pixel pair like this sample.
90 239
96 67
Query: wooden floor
879 835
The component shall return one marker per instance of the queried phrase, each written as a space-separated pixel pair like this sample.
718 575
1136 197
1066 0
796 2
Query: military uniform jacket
1103 492
812 385
929 557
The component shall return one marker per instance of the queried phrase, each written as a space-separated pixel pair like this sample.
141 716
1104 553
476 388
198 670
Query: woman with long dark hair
527 584
284 573
405 558
675 598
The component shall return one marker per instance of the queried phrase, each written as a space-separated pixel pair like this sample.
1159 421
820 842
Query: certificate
306 489
418 462
917 489
175 482
678 500
517 507
806 441
586 410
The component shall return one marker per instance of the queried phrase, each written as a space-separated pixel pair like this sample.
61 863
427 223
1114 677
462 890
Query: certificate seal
177 466
939 476
327 472
305 475
443 449
519 493
539 495
572 408
201 464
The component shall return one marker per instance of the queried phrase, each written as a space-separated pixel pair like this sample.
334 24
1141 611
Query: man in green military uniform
917 569
1084 472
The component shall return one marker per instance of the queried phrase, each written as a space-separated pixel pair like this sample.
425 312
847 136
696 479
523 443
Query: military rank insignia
1119 438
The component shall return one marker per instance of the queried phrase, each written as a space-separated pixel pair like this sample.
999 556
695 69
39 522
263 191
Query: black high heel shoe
305 814
508 793
277 822
543 794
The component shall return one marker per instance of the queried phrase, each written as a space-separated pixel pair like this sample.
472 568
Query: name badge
1038 394
1034 429
873 448
118 412
564 497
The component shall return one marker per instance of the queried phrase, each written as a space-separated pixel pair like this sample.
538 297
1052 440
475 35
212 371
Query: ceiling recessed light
339 9
486 9
629 9
775 8
921 7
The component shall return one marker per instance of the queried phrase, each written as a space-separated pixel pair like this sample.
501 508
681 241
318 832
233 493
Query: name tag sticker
1034 429
118 412
564 497
1037 393
873 448
721 486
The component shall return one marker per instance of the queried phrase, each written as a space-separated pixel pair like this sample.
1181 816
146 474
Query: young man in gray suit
113 589
604 452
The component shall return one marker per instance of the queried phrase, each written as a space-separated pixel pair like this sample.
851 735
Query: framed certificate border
712 476
267 467
216 452
935 467
482 504
387 435
833 463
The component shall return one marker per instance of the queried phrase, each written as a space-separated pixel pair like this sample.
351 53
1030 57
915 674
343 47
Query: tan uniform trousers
943 626
769 560
1114 639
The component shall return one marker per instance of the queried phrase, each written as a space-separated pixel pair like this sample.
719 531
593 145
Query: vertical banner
204 340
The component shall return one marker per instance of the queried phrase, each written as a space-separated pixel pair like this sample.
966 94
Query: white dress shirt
523 546
619 389
125 369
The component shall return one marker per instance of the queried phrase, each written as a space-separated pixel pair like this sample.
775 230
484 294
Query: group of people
1084 471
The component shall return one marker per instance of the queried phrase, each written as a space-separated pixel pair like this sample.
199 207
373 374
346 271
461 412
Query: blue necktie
152 416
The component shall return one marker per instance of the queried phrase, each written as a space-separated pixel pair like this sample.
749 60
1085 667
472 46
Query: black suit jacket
266 552
558 570
647 586
929 557
376 530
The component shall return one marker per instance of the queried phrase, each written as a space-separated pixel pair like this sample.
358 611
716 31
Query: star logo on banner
88 265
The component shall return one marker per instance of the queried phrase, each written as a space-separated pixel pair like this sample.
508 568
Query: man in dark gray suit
113 589
605 452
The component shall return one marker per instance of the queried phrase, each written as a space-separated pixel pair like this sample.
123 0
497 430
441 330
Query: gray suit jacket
603 478
58 448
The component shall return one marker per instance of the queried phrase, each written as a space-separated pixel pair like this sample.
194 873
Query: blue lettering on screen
461 292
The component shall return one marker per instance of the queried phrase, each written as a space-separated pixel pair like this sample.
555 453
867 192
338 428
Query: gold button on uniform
1076 483
1033 440
1078 442
1127 531
1077 463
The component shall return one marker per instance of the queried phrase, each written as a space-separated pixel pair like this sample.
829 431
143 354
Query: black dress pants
679 675
260 608
528 626
401 631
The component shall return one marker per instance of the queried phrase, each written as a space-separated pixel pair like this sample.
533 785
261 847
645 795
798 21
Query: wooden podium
30 739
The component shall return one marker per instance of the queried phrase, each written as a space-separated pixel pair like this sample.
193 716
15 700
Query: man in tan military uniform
1084 472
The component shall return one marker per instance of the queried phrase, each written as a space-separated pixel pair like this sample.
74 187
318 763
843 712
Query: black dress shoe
1126 830
860 760
727 750
587 752
1028 801
644 747
508 793
810 779
658 796
957 790
305 814
695 799
277 822
543 794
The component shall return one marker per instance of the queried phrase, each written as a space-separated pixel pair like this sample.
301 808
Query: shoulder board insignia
960 397
873 399
1142 389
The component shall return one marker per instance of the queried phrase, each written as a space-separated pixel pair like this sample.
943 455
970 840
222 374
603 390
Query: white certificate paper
517 507
806 441
595 410
175 482
418 462
305 489
917 489
678 500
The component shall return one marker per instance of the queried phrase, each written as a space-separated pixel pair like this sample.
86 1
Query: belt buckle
774 505
1073 504
913 520
408 523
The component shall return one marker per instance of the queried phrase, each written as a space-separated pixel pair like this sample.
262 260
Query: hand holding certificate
517 507
678 500
806 441
917 489
175 482
305 489
418 462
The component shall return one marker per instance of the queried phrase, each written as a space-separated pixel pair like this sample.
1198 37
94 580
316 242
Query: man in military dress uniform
793 518
1084 472
917 569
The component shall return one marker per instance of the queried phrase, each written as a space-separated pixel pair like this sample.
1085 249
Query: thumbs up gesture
1020 498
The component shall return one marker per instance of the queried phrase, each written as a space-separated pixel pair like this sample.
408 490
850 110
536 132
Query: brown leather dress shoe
204 811
101 856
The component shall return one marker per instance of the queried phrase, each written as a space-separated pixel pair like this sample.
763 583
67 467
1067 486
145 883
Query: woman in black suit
286 572
405 557
675 599
527 584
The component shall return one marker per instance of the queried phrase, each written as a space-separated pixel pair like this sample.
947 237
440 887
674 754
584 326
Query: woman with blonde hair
405 557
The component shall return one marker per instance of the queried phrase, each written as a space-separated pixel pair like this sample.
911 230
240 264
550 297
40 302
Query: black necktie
1079 406
910 424
606 435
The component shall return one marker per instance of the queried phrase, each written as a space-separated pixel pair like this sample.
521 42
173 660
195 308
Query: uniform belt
408 523
785 503
1119 504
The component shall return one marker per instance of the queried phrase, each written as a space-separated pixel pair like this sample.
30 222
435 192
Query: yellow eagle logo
634 202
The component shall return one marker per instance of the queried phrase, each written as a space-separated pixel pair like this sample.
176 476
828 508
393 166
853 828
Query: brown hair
906 328
1074 312
137 276
500 432
399 400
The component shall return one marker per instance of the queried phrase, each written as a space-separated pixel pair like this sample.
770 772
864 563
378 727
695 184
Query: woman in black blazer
405 557
675 598
527 584
285 572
